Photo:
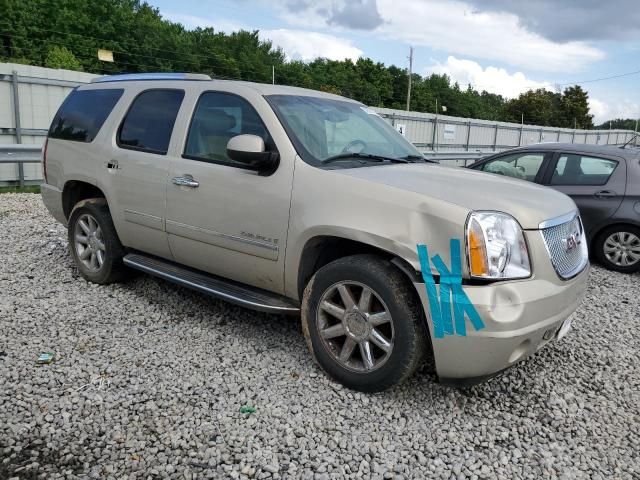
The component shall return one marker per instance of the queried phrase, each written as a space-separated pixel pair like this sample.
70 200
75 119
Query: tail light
44 159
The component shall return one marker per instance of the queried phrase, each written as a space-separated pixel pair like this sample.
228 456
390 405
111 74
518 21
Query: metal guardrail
20 154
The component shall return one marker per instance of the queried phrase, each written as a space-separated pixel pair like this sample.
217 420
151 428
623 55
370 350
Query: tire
405 334
91 220
621 242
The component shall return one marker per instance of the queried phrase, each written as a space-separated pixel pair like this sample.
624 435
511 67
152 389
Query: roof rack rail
151 76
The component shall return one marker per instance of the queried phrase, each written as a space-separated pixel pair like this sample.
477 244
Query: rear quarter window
83 113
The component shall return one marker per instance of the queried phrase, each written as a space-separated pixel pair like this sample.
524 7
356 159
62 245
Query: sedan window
574 169
520 165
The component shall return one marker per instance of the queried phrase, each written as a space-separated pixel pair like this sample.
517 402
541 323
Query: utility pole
410 73
273 74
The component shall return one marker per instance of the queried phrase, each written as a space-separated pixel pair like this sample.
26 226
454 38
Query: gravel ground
149 379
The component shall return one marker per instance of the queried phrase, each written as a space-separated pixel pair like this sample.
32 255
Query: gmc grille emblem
571 242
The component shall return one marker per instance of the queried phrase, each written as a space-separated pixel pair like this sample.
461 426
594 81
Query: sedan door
596 183
525 165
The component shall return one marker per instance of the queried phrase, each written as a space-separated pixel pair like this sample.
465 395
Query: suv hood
529 203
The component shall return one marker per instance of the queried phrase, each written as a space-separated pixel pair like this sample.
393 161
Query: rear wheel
94 243
618 248
363 323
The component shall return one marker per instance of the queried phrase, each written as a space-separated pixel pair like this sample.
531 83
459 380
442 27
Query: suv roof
261 88
628 152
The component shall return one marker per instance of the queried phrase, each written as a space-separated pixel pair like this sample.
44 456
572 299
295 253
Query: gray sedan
603 180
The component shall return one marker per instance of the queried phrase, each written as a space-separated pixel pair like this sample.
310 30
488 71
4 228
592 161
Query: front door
596 184
221 217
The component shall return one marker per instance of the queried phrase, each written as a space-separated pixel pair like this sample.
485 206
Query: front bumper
520 317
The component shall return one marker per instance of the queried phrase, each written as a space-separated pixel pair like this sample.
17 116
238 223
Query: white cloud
491 79
456 27
194 21
296 44
304 45
603 111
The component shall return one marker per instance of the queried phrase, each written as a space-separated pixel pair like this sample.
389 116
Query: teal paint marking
432 291
452 296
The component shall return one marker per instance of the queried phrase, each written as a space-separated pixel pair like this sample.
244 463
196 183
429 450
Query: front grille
567 247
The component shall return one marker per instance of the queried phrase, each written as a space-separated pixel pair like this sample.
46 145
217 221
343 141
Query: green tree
575 108
68 33
60 57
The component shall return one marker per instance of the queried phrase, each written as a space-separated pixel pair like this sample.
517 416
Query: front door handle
605 194
186 181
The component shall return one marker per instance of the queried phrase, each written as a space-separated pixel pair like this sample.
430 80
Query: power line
627 74
162 59
119 42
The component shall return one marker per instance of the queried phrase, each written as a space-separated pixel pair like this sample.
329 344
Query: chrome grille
567 247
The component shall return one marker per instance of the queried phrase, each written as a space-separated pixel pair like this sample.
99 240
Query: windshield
322 129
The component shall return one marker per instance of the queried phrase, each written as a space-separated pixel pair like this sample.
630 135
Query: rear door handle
605 194
185 181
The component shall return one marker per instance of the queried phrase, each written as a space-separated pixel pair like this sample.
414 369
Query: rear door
596 183
138 165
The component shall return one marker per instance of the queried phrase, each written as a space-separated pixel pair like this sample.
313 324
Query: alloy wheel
355 326
89 242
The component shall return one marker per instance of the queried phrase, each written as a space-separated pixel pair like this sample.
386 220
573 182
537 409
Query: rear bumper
520 317
52 199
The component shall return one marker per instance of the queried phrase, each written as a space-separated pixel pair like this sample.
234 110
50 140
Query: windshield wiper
364 156
418 157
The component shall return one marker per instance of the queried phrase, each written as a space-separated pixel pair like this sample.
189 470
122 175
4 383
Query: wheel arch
75 191
600 230
320 250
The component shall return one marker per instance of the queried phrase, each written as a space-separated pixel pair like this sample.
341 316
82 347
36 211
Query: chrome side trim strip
558 220
264 307
144 219
249 241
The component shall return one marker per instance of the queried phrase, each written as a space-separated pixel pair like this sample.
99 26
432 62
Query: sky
502 46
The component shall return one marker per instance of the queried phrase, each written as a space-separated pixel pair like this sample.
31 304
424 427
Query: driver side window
524 166
218 117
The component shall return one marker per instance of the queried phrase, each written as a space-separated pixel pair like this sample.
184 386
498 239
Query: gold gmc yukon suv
299 202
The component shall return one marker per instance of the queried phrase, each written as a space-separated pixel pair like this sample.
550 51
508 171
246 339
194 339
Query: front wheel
618 248
363 323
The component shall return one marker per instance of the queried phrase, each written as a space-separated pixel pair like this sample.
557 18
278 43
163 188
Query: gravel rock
148 380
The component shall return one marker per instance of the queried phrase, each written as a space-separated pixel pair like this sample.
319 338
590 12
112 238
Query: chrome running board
234 292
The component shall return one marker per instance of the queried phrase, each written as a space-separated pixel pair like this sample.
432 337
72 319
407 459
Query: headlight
496 247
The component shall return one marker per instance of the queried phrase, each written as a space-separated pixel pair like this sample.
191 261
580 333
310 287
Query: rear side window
582 170
149 122
82 114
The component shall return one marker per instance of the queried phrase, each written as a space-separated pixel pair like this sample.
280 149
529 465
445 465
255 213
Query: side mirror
250 151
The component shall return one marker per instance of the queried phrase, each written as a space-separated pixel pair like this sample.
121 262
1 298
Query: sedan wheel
622 249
